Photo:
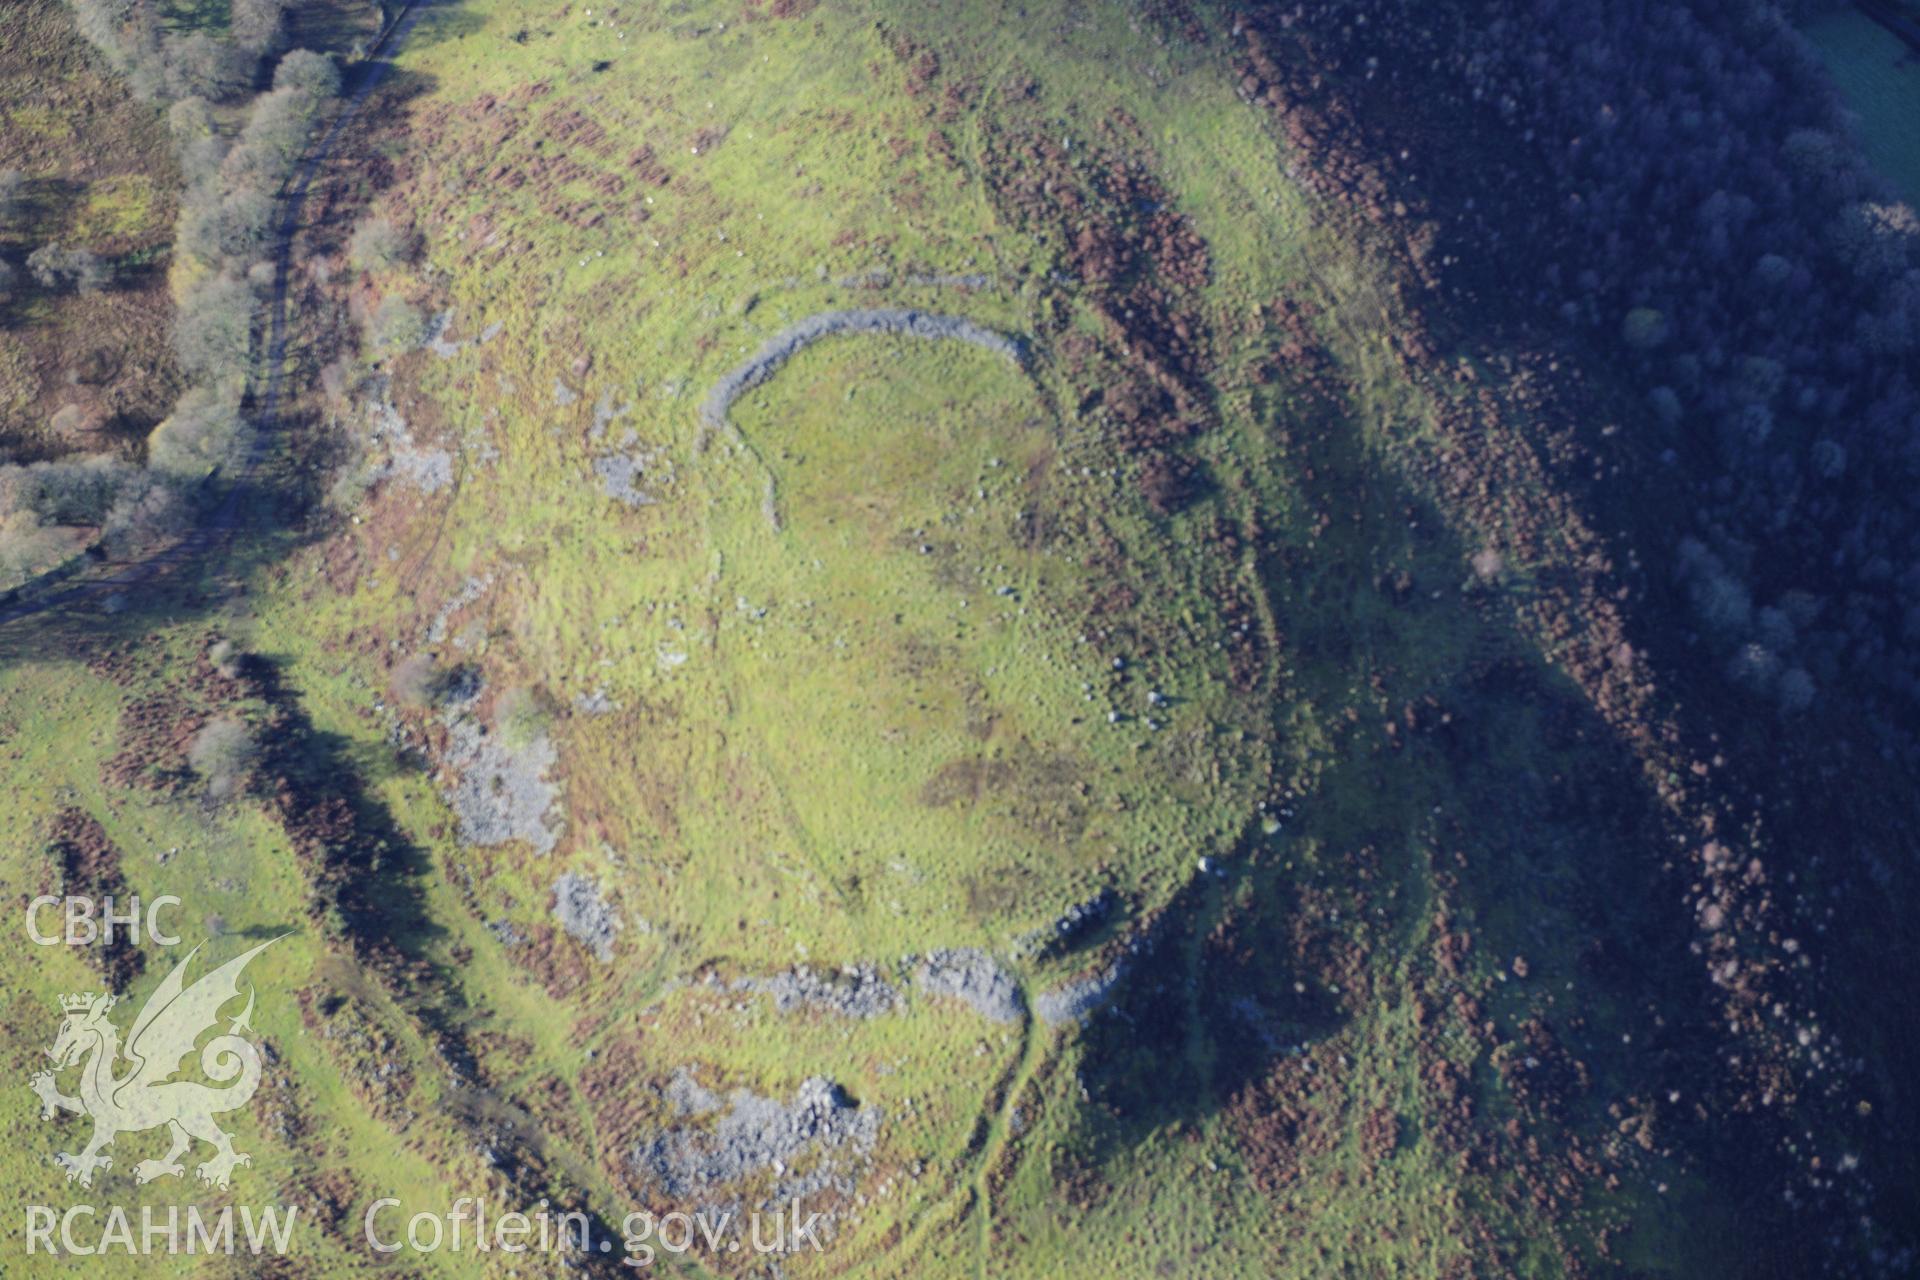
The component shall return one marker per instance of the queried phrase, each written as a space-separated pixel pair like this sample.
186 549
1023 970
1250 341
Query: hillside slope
1059 633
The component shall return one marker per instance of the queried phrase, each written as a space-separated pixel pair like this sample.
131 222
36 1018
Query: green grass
118 208
892 719
238 882
792 699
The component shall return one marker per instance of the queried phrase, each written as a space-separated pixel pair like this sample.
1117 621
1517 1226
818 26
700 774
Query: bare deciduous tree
222 753
378 245
305 71
213 329
202 66
258 26
55 267
199 435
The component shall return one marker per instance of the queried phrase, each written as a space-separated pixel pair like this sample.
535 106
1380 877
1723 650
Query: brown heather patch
1288 1118
1511 462
88 864
155 732
84 144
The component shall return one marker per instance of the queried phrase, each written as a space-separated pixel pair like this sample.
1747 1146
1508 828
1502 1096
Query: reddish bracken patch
154 734
558 963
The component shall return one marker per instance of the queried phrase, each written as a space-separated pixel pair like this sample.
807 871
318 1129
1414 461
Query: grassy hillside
910 657
1193 797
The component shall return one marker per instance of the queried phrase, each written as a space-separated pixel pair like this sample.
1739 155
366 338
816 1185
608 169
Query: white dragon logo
145 1097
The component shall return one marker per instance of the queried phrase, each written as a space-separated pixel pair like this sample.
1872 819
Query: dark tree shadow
1507 794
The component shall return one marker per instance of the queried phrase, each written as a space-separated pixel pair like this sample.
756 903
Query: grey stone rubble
688 1096
499 793
440 345
906 322
596 703
821 1127
1077 919
585 915
973 976
462 686
1073 1001
857 991
620 476
436 340
470 591
428 470
605 415
622 473
1070 928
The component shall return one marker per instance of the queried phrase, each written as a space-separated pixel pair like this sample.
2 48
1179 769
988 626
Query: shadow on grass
368 875
1474 797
